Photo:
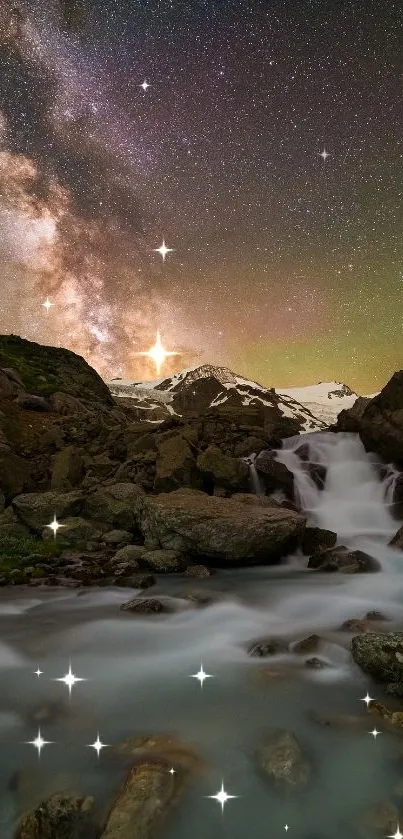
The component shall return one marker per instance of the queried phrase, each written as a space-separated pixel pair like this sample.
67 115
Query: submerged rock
145 606
280 757
162 561
58 817
317 539
199 571
275 474
267 646
306 645
394 718
397 541
381 819
381 655
343 559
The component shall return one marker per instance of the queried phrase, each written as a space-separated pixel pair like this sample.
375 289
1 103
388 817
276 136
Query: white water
138 674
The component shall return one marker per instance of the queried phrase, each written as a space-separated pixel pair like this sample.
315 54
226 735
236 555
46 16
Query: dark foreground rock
342 559
280 758
144 606
397 541
59 817
381 655
316 539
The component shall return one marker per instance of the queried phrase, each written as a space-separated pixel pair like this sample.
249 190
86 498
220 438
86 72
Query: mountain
325 400
208 388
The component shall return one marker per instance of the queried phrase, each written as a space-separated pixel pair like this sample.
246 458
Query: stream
137 676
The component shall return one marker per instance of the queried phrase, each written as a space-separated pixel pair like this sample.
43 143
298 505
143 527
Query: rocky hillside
325 400
205 388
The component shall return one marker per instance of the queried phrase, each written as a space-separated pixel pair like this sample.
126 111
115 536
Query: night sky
287 265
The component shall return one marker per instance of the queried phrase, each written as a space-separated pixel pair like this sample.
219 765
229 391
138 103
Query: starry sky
287 264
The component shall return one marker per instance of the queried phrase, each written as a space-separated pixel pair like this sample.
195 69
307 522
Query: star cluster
259 142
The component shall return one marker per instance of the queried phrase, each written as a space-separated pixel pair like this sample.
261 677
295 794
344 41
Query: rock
317 473
381 819
74 530
36 509
117 537
67 405
317 539
175 465
144 606
223 471
394 718
280 757
381 655
2 502
30 402
116 505
138 581
343 559
199 598
199 571
163 561
267 646
397 541
68 470
129 553
375 615
10 524
276 475
58 817
15 475
316 663
306 645
218 529
357 625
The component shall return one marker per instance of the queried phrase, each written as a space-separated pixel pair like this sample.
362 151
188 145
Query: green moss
15 551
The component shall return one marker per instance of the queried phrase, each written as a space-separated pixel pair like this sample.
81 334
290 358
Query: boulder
276 475
68 470
307 645
281 759
74 530
15 475
222 470
175 465
144 606
397 541
267 646
162 561
130 554
343 559
317 539
220 530
58 817
381 655
30 402
37 509
199 571
117 537
116 505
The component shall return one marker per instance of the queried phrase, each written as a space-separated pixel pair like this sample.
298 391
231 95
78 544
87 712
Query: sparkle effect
38 672
98 745
367 699
54 525
163 250
375 733
70 679
158 354
47 305
324 155
222 797
396 835
38 743
201 675
145 85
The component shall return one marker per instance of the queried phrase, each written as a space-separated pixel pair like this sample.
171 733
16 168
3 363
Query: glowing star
38 672
47 304
54 525
98 745
396 835
201 675
163 250
172 771
158 354
145 85
222 797
286 827
70 679
367 699
325 155
39 742
374 733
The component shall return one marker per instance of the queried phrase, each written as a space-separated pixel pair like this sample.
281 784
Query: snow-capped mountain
325 400
206 387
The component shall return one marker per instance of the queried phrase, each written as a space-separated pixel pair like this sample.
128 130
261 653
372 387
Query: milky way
286 266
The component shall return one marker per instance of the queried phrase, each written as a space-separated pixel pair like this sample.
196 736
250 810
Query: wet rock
218 529
138 581
317 473
281 759
316 663
344 560
267 646
394 718
117 537
163 561
397 541
199 598
306 645
149 606
58 817
165 748
317 539
381 655
375 615
199 571
275 474
381 820
225 472
357 625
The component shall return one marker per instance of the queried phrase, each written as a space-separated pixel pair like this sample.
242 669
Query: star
98 745
222 797
396 835
38 672
374 733
201 675
158 353
54 525
171 771
39 742
70 679
324 154
47 304
286 827
163 250
367 699
145 85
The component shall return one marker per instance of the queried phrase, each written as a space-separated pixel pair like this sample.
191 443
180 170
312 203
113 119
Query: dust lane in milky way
259 143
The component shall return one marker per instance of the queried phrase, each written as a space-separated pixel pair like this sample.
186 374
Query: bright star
367 699
163 250
325 155
374 733
222 797
54 525
47 304
38 672
70 679
201 676
172 771
98 745
145 85
158 354
287 828
396 835
39 742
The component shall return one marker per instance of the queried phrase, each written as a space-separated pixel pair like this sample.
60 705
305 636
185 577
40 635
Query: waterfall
256 486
